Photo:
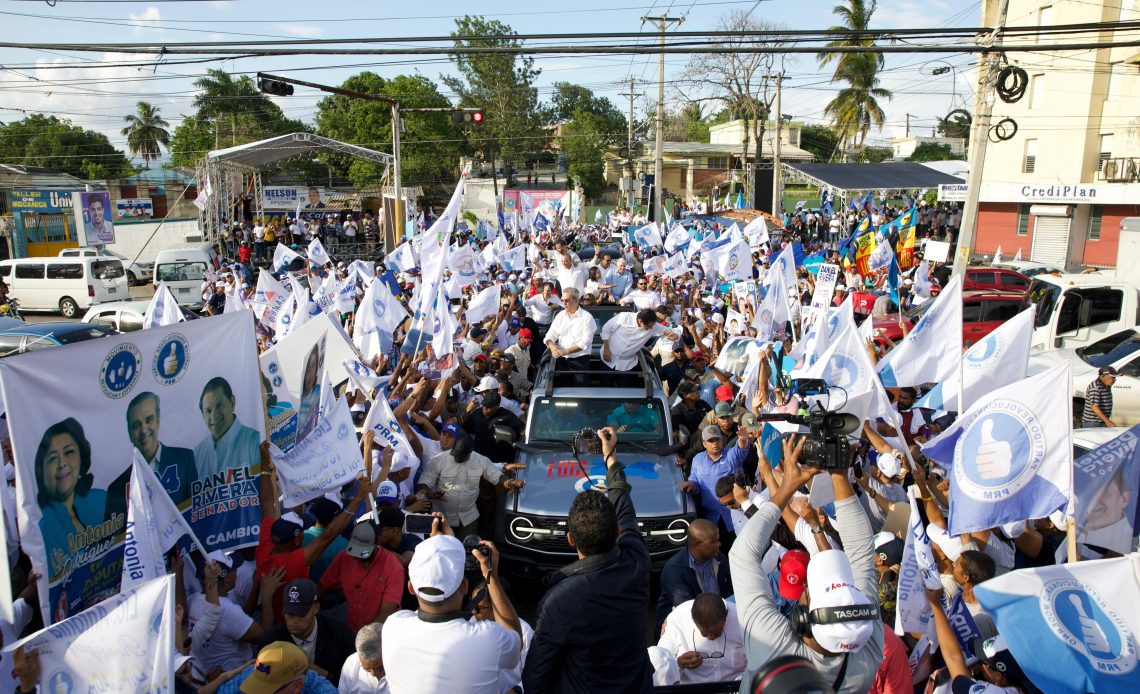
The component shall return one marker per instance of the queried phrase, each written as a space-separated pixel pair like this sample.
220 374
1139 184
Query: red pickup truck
982 313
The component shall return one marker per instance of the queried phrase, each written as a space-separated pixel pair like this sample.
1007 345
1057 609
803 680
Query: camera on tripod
826 446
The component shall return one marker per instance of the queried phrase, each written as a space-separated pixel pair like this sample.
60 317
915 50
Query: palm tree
146 132
855 109
221 94
855 16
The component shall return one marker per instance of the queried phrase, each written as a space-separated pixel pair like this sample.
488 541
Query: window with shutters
1105 150
1023 220
1030 156
1095 213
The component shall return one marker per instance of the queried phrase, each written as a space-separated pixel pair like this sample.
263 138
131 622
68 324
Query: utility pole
629 145
908 125
777 178
662 22
981 132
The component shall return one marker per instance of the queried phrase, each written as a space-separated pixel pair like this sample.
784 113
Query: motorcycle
10 308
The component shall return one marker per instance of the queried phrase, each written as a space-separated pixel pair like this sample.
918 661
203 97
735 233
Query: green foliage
855 109
687 126
430 145
874 155
146 132
56 144
584 139
502 84
820 140
958 126
931 151
190 141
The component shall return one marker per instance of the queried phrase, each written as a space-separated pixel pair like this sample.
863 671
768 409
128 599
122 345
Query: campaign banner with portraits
134 208
186 396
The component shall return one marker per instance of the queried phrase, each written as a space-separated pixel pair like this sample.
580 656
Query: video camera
826 447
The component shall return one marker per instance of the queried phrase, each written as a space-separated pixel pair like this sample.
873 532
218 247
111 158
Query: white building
904 146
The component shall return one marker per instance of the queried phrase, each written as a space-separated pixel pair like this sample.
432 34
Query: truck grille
547 534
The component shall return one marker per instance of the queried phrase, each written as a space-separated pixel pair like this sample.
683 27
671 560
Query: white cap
889 464
387 491
841 287
716 318
883 538
512 277
831 584
437 564
220 557
293 518
487 383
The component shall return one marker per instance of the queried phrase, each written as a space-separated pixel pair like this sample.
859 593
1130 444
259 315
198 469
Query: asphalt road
143 291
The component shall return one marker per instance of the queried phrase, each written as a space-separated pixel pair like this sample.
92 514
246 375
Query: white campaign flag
756 232
154 525
483 304
234 301
931 350
324 461
204 194
434 248
163 308
268 299
675 265
325 296
318 254
378 311
366 268
1017 256
283 256
847 369
6 586
388 432
402 257
996 360
1010 455
123 644
736 262
916 574
514 259
648 236
365 379
464 265
997 255
677 238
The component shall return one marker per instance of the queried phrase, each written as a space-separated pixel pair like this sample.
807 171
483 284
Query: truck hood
553 479
1040 362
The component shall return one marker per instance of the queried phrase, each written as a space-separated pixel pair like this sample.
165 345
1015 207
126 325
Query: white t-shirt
625 339
354 679
350 229
453 656
682 636
223 648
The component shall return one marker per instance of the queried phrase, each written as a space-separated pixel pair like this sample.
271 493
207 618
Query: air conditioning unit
1119 170
1108 170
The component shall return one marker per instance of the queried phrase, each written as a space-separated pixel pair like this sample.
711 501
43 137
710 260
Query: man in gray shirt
846 651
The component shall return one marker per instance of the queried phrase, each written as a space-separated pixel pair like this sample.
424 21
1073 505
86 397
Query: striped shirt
1100 395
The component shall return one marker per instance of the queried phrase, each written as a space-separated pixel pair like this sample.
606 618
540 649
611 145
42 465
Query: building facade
903 147
1059 188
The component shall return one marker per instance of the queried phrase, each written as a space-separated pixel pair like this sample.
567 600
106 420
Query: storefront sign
952 192
40 201
1062 193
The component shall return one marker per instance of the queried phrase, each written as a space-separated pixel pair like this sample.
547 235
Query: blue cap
502 276
451 428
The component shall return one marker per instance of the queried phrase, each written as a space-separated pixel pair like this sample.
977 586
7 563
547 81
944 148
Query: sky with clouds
98 95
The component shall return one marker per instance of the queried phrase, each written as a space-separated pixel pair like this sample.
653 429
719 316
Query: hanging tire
68 308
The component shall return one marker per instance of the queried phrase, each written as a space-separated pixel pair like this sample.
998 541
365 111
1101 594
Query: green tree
854 16
56 144
931 151
430 146
584 139
820 140
146 132
191 140
874 155
687 125
855 109
955 125
502 84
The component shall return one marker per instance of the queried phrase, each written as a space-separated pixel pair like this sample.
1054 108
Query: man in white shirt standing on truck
625 334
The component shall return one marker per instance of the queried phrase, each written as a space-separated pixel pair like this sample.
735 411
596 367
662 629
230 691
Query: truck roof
1090 279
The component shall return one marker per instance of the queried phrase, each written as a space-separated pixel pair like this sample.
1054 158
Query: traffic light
274 87
466 117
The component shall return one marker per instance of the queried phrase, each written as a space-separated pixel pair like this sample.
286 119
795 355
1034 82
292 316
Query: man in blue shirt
622 280
709 466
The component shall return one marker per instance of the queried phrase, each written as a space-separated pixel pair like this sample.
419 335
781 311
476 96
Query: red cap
793 574
481 357
698 354
526 334
724 393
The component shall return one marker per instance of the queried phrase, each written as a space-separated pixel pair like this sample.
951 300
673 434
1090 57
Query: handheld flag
283 257
154 525
1106 481
997 256
1010 456
930 351
317 253
388 432
1017 256
484 304
163 308
1073 627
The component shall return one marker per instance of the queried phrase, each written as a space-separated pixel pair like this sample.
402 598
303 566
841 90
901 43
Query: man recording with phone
591 622
836 624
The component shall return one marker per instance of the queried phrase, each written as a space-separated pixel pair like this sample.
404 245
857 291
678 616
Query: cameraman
591 623
847 652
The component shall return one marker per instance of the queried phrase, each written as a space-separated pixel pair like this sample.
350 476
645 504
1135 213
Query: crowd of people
340 595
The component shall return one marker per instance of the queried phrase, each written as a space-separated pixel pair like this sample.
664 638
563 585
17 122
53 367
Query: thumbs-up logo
1085 621
994 458
999 452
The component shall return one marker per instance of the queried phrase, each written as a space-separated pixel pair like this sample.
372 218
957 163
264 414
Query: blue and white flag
268 299
402 257
756 231
1010 455
1106 481
154 525
598 218
678 237
930 351
541 223
996 360
325 460
379 311
484 304
365 379
735 263
388 433
514 259
346 295
283 257
317 253
123 644
464 265
847 369
917 573
163 308
648 236
1072 627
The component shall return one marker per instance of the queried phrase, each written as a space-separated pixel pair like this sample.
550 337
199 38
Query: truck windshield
1044 296
180 272
635 419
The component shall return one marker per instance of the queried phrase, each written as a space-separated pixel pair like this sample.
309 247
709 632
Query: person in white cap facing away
438 648
836 624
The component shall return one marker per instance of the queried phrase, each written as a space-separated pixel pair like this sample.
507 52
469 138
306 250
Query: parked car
982 313
995 279
33 336
1085 440
137 272
530 523
126 316
63 284
1120 351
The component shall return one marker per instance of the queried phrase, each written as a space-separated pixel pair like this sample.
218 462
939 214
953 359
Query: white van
183 268
67 285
